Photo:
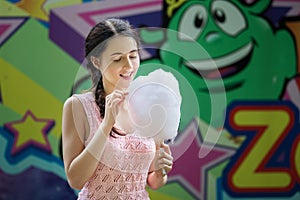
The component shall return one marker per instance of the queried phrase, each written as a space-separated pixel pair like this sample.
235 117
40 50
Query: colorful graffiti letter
257 168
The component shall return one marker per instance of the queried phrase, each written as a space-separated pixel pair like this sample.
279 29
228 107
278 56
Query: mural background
255 156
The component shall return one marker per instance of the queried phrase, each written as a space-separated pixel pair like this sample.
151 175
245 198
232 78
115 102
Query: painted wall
238 67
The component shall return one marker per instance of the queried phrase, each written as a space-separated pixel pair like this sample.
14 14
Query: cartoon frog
226 50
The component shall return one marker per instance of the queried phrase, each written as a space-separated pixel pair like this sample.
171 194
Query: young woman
101 160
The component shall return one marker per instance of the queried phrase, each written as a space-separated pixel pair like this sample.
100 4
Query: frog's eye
192 23
228 17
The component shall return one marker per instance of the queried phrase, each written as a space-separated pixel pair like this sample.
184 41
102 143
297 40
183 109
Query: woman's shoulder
72 103
78 99
74 109
86 95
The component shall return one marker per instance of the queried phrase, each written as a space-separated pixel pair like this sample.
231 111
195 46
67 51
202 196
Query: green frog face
228 51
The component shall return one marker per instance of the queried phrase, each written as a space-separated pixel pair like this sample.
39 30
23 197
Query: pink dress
123 167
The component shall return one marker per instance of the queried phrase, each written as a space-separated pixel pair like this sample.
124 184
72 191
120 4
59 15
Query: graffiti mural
237 62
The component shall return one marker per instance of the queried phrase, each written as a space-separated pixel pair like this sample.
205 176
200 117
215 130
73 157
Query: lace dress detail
123 167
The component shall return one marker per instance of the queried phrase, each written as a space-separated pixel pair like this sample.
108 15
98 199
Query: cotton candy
152 107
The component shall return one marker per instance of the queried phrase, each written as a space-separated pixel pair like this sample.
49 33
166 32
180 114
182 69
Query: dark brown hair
95 44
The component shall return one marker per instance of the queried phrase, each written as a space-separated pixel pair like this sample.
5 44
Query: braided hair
95 44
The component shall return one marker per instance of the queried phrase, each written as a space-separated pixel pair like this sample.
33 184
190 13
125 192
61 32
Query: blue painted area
34 183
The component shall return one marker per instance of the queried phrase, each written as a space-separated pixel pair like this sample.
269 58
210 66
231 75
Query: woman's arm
80 161
156 177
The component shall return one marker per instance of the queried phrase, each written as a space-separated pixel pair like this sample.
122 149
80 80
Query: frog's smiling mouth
222 67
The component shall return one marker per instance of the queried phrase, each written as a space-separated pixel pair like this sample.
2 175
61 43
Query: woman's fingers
113 101
115 97
166 148
165 160
112 105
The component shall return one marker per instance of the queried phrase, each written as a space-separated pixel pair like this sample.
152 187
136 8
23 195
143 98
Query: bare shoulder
74 108
74 117
72 103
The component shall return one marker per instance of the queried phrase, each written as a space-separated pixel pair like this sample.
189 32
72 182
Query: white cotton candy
152 107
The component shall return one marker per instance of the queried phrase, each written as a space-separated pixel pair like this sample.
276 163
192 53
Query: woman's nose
128 64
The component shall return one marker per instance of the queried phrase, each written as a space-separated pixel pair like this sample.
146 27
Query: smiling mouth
222 67
126 76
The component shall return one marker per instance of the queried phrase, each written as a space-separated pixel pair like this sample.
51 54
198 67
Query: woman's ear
95 61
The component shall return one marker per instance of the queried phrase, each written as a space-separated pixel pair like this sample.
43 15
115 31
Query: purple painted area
66 37
69 26
146 20
88 15
34 184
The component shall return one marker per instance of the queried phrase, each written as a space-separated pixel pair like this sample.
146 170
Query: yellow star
30 131
34 7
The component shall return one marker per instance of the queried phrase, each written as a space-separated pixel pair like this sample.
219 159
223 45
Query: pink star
30 131
189 169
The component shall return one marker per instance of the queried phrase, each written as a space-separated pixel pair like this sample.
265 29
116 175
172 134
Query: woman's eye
117 60
134 55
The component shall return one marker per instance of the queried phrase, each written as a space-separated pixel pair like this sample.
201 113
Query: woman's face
119 63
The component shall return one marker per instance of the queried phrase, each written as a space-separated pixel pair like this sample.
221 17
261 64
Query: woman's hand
112 106
163 160
161 165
